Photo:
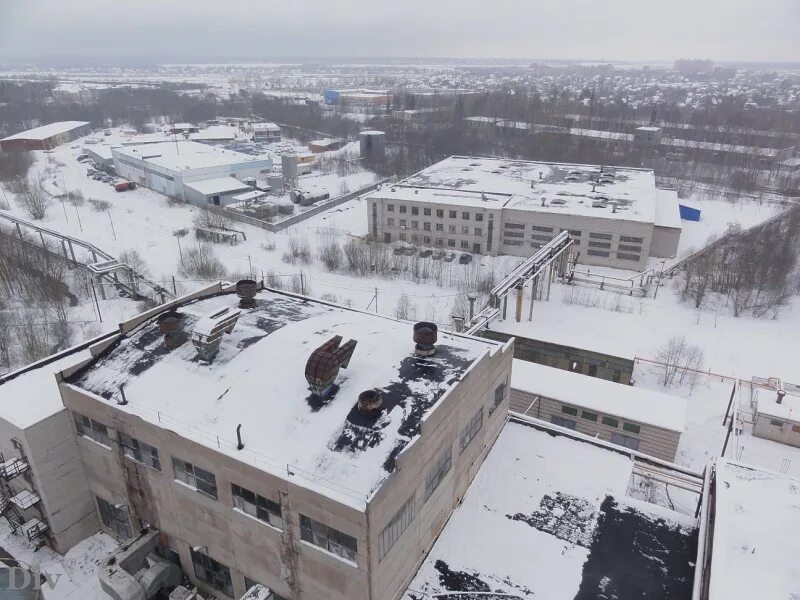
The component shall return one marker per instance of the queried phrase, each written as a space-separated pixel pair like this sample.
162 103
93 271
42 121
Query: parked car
465 259
410 250
97 177
83 158
425 253
437 255
123 186
448 257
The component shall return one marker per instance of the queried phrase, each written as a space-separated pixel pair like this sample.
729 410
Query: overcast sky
738 30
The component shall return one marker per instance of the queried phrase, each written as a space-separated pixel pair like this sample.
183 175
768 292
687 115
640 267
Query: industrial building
45 137
167 167
265 132
776 410
617 216
634 418
198 420
372 144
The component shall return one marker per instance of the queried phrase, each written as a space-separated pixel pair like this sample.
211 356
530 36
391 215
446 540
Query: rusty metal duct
246 290
169 324
324 363
370 402
425 336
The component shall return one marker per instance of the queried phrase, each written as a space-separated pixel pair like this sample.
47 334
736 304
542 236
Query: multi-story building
492 206
266 132
199 420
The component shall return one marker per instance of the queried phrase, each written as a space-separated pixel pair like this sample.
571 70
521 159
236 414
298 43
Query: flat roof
643 406
547 517
756 534
265 126
217 185
185 155
788 409
258 379
46 131
668 213
549 188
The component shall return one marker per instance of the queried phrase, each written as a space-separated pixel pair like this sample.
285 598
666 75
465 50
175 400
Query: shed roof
217 185
46 131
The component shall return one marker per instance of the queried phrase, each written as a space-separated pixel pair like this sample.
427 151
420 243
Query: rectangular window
115 517
631 257
514 234
544 229
589 416
610 422
451 229
414 238
91 429
328 538
426 212
478 231
399 523
414 224
453 214
540 237
465 216
465 230
387 237
600 236
439 241
390 207
403 208
403 222
775 423
575 232
512 242
624 248
597 253
593 244
514 225
625 440
200 479
390 222
415 210
403 237
257 506
569 410
464 245
479 216
139 451
426 226
451 243
426 239
440 213
439 470
499 395
631 427
213 573
471 429
562 422
440 227
628 238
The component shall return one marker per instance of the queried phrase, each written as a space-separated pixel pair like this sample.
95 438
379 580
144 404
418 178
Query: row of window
608 421
218 576
428 212
463 244
426 226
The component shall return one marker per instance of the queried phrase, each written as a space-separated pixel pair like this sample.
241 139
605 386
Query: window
387 237
426 240
471 429
512 242
439 470
465 230
200 479
399 523
214 573
575 232
514 234
617 376
514 225
600 236
593 244
589 416
541 238
89 428
499 395
479 216
414 238
451 243
592 370
426 226
115 517
328 538
139 451
776 423
478 231
439 227
569 410
415 210
545 229
627 238
402 237
257 506
631 257
403 209
414 224
562 422
390 222
439 241
426 212
390 207
624 440
453 214
610 422
591 252
631 427
465 216
464 245
451 229
403 222
440 213
624 248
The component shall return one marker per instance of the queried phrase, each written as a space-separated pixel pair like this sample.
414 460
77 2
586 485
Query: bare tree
677 359
404 309
35 201
201 262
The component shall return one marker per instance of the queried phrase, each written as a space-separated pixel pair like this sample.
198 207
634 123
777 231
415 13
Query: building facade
45 137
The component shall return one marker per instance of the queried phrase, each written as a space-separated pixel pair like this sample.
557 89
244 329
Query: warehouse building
634 418
200 421
168 166
219 191
45 137
615 215
266 132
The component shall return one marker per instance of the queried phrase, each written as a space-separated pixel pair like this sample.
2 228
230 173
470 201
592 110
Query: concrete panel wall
665 242
788 432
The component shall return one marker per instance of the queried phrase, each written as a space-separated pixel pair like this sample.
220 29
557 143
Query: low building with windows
776 410
199 420
265 132
638 419
494 206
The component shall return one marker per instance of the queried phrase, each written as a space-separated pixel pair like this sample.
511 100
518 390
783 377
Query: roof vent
169 324
425 336
246 290
324 363
370 402
207 334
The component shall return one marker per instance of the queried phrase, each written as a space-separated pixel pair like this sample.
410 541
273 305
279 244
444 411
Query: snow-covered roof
788 409
667 212
526 185
249 196
217 185
265 127
46 131
258 379
756 534
184 156
547 518
636 404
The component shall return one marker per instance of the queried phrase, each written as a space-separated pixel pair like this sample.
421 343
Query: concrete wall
655 441
788 432
665 242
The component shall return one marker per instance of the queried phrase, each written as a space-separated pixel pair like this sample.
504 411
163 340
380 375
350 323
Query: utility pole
376 299
112 225
177 237
96 303
79 218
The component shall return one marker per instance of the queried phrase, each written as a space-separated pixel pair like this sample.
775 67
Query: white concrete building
165 167
266 132
493 206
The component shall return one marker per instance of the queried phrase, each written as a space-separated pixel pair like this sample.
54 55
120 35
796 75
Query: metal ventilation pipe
239 444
